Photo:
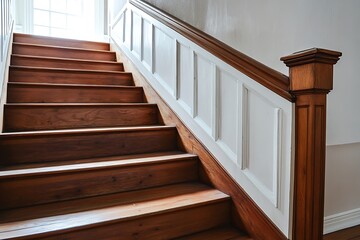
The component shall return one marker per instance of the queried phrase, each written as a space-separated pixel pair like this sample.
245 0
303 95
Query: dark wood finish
264 75
62 52
64 42
311 77
96 202
31 117
346 234
161 218
71 93
48 146
50 62
253 219
224 233
69 76
52 184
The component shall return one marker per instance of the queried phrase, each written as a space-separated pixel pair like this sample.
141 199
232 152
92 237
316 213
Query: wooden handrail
268 77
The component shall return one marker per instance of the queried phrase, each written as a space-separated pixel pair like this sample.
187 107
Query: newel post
311 79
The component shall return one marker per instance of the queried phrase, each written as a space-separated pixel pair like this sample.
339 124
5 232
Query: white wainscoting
247 127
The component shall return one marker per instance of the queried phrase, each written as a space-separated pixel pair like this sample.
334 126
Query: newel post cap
312 69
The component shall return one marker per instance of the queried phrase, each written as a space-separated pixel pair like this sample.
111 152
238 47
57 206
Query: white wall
267 31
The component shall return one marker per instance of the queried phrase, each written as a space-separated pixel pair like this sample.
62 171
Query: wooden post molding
311 79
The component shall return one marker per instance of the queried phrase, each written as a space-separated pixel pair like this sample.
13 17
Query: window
66 18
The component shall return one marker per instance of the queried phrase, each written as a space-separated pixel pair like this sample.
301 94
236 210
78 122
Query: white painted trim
231 161
341 221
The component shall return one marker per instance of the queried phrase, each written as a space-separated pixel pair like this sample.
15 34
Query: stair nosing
155 207
69 70
93 166
61 47
71 85
67 59
86 131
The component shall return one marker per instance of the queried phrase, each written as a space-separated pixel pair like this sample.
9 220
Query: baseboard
341 221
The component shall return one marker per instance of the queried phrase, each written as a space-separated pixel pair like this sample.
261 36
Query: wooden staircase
84 156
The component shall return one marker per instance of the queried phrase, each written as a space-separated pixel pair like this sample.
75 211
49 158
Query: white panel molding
341 221
177 70
215 102
195 83
276 207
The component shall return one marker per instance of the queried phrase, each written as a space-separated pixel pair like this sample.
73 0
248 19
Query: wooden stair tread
30 84
91 160
124 212
73 144
40 116
20 92
92 166
57 62
85 131
67 70
222 233
62 52
96 202
77 104
27 38
60 47
65 59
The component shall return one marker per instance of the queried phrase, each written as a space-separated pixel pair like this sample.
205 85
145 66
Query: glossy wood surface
311 76
352 233
62 52
71 76
86 157
51 62
72 93
90 179
44 40
87 143
31 117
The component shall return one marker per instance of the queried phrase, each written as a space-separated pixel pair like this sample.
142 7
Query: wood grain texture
75 182
50 62
48 146
62 52
268 77
96 202
148 220
69 76
72 93
346 234
252 218
224 233
64 42
311 77
31 117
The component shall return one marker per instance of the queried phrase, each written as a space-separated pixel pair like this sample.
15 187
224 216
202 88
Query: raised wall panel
262 137
246 126
118 29
136 34
164 59
185 77
128 28
204 92
228 113
147 43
